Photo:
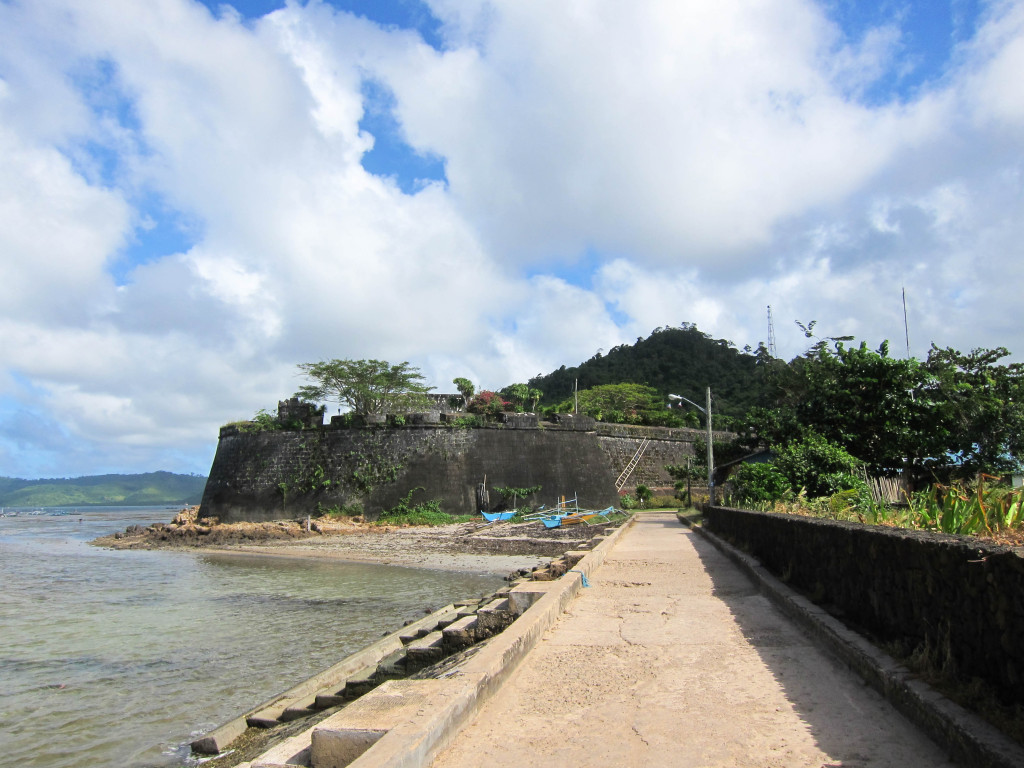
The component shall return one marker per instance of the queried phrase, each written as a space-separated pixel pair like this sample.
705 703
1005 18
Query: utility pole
711 455
906 327
706 410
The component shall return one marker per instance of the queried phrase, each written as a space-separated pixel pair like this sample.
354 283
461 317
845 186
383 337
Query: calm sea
121 658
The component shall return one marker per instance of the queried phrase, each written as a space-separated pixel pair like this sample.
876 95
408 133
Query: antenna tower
771 333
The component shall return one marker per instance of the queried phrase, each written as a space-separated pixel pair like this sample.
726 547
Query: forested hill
683 361
103 490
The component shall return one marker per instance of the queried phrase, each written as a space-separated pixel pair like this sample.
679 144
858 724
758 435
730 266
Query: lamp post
711 456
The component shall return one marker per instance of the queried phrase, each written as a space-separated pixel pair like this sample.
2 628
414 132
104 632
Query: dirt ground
673 658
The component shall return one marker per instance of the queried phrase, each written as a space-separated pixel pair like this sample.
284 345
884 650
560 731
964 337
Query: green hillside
103 490
683 361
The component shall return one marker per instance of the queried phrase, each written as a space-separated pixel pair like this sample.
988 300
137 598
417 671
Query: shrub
643 495
663 501
349 510
488 402
819 467
424 513
756 483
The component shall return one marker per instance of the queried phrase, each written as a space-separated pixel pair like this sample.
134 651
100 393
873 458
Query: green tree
616 402
516 394
977 410
365 386
535 395
466 389
866 402
952 415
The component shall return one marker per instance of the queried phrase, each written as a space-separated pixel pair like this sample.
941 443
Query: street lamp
711 456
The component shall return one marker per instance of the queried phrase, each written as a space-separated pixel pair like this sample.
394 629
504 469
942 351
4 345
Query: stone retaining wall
290 473
956 600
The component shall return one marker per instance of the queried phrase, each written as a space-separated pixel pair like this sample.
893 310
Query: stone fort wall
288 473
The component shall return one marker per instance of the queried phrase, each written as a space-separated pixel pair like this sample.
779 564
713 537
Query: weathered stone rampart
287 473
954 601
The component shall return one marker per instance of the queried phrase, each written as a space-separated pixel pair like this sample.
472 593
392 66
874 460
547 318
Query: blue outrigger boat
498 517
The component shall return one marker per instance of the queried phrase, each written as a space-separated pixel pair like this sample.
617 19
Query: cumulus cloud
684 130
609 168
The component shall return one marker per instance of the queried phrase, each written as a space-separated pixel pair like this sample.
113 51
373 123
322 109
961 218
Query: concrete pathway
673 658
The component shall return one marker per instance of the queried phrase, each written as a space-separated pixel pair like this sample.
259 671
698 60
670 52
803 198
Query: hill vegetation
103 490
682 361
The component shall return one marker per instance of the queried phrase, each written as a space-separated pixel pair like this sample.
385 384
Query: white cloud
639 131
610 168
56 232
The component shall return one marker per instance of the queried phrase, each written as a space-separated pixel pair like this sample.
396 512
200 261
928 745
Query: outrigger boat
498 517
568 512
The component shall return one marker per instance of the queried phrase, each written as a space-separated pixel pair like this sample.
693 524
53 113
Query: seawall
289 473
954 601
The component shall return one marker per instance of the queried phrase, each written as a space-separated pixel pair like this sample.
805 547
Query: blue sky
194 197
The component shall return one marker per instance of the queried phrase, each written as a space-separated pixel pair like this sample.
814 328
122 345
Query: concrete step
266 718
393 666
447 619
460 634
493 618
361 682
424 651
304 706
408 637
328 700
439 622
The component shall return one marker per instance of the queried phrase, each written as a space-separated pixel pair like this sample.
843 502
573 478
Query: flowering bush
488 402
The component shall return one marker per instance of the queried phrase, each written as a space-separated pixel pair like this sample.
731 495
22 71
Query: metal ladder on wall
621 481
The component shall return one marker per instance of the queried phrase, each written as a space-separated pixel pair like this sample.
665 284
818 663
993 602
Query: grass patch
984 509
424 513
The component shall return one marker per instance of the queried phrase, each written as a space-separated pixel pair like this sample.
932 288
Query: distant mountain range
103 490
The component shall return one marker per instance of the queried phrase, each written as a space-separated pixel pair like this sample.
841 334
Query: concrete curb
404 723
967 738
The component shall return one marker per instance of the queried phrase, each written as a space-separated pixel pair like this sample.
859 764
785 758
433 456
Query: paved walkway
673 658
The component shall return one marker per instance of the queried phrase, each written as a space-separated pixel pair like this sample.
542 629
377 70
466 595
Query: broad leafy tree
616 402
865 401
365 386
466 389
950 415
978 409
516 394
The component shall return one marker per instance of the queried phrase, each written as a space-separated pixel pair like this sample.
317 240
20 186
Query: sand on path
674 658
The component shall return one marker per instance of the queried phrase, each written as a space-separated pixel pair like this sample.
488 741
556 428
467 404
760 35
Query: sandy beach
467 547
410 547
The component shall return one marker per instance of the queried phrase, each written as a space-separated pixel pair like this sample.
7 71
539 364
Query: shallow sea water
123 657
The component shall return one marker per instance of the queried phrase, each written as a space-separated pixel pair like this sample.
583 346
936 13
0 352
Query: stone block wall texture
956 599
273 475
